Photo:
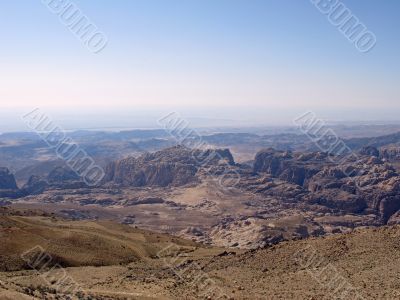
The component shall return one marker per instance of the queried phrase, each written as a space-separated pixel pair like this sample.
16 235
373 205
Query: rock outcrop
358 185
8 185
391 153
292 167
59 178
175 166
7 180
35 185
370 151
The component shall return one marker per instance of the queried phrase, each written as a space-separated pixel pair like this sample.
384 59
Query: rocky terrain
174 166
204 195
25 154
230 218
45 257
364 184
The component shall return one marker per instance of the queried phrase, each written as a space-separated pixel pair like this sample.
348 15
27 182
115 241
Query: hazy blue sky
271 54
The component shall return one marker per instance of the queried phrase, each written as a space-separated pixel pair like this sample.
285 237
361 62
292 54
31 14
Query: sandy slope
110 261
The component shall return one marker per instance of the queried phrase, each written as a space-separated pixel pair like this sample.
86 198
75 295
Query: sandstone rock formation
292 167
359 185
369 150
175 166
283 195
59 178
7 180
8 186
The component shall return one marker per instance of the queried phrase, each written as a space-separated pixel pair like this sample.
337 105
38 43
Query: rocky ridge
284 195
175 166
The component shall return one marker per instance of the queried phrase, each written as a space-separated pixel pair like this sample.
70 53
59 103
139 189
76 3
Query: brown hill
363 264
73 244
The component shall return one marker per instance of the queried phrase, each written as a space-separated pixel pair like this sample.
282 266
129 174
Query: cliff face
370 186
174 166
59 177
8 186
292 167
7 180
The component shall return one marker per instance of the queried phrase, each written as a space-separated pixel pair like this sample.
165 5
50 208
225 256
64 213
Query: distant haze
259 62
220 117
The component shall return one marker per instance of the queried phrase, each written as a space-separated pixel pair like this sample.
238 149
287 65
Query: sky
223 57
